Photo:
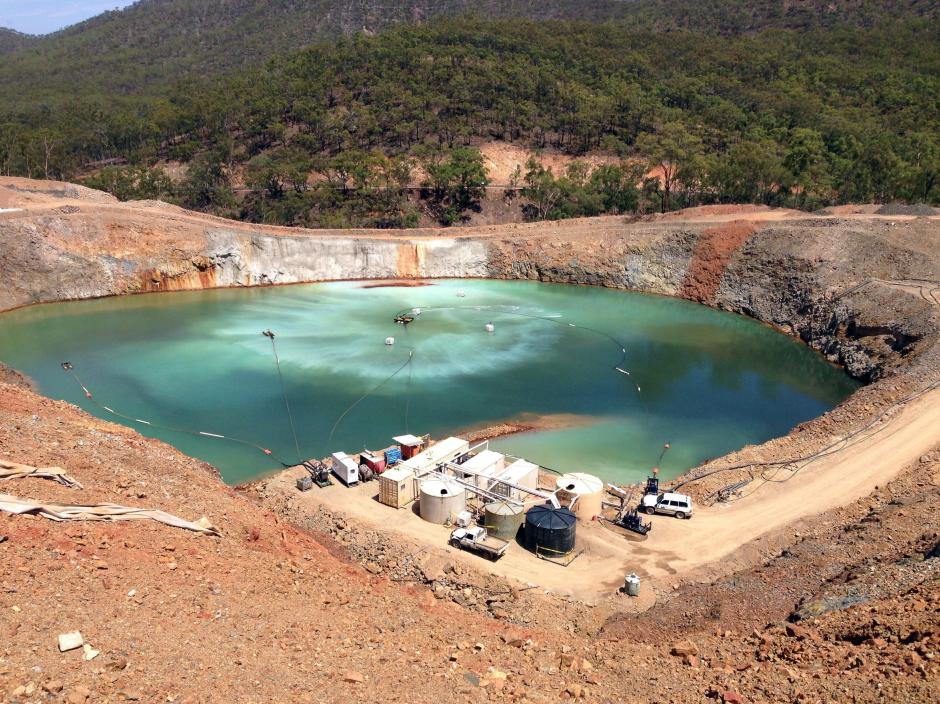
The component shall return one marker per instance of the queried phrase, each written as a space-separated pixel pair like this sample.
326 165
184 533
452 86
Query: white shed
520 473
483 467
345 468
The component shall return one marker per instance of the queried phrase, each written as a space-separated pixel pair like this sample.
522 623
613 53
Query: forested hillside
10 40
152 43
839 107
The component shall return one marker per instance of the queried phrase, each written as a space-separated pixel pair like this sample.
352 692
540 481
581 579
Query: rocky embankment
857 288
836 607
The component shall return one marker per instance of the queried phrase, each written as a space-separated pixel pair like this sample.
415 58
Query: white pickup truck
476 539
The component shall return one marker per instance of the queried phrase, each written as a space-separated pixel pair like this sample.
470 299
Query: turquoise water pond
709 382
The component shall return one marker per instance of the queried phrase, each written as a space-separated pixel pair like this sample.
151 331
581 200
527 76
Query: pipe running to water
290 416
69 368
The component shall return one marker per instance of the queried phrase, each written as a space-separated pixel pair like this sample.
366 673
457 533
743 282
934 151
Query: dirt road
871 461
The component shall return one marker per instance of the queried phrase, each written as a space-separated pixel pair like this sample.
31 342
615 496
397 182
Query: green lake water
710 382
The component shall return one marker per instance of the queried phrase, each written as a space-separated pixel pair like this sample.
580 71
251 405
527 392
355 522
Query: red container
375 462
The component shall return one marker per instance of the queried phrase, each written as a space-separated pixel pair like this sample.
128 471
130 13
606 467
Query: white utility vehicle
476 539
678 505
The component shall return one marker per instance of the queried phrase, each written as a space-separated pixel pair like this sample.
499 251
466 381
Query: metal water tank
441 500
503 519
549 530
631 585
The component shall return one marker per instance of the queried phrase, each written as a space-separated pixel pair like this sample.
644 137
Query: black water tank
549 530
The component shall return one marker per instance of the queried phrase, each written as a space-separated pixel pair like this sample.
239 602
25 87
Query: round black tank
549 531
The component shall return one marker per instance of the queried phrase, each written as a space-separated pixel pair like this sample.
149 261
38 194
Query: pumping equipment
319 473
631 521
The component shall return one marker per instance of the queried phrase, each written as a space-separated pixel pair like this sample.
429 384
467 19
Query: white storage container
345 468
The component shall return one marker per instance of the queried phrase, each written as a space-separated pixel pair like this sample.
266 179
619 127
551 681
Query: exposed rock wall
254 259
838 285
842 285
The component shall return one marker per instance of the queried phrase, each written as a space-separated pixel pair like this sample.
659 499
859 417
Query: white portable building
483 467
345 468
520 473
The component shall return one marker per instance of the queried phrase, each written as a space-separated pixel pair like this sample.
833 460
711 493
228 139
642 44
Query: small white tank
489 327
461 293
416 311
389 341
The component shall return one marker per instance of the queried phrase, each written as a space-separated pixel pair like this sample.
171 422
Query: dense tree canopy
333 133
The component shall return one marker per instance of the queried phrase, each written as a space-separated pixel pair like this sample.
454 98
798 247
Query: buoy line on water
407 363
290 416
69 368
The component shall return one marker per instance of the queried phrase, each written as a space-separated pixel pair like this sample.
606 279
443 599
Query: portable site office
345 468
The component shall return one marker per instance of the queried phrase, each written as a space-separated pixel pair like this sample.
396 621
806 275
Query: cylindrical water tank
631 585
503 519
549 531
588 488
441 500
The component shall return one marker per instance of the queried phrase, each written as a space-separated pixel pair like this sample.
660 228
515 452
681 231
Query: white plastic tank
631 585
589 490
441 501
489 327
389 341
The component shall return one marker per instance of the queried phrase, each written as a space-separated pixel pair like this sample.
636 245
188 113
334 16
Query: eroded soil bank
261 612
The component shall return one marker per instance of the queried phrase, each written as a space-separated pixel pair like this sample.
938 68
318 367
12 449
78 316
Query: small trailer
345 468
476 539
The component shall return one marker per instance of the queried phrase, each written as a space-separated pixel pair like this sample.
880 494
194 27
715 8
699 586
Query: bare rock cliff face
847 287
836 285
